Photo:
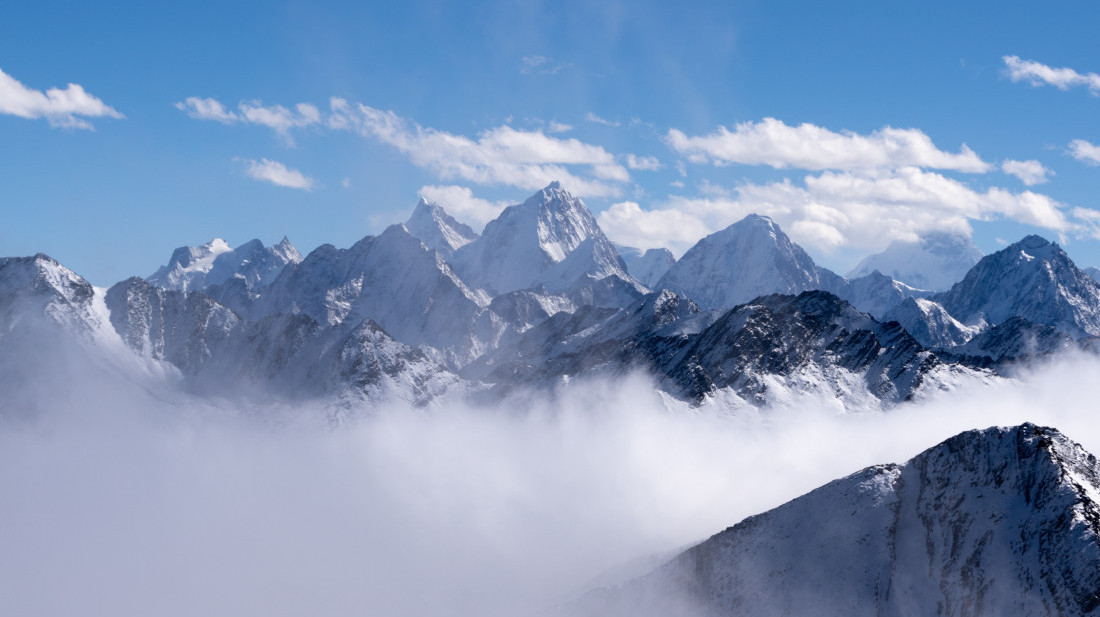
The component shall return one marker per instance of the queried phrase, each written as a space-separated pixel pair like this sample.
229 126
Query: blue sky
850 125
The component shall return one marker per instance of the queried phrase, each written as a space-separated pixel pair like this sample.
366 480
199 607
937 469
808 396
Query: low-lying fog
117 501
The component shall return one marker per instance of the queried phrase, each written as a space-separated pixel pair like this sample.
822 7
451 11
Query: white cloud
1038 74
1029 172
670 227
525 159
207 109
1090 220
278 174
833 210
64 108
279 118
503 155
591 117
806 146
276 117
459 202
642 163
1084 151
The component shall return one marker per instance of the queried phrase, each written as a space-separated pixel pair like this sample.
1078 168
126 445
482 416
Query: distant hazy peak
197 267
437 229
647 266
935 261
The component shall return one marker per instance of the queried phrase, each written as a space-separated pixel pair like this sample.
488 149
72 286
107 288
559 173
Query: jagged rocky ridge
1000 522
543 296
214 263
774 346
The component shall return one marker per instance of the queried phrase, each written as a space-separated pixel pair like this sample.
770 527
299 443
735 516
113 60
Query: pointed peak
758 219
554 198
554 192
217 246
1034 242
44 257
423 204
429 210
438 230
752 225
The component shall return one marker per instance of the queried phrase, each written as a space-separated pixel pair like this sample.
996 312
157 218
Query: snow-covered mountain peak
287 251
994 522
437 229
197 257
39 286
1032 247
750 258
213 263
1033 279
527 239
562 221
42 275
935 261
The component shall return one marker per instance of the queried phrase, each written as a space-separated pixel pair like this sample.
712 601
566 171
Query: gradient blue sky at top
849 123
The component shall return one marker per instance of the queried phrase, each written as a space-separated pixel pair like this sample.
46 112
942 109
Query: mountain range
542 296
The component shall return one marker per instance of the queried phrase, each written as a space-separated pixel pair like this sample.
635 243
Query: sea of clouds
119 498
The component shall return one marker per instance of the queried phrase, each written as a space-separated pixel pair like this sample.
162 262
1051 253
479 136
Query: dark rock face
182 328
1001 522
814 336
781 335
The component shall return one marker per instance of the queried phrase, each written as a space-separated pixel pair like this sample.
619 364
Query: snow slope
751 258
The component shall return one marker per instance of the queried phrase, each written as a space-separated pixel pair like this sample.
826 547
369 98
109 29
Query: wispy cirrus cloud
502 155
806 146
537 64
1030 172
62 108
593 118
275 117
1038 74
276 173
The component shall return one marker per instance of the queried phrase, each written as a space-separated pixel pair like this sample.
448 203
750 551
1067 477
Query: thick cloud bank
120 501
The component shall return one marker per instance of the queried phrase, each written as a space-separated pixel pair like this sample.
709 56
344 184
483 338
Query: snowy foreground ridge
998 522
542 296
